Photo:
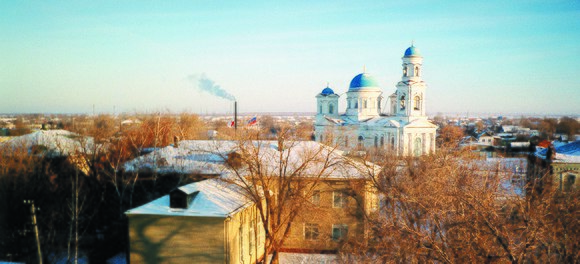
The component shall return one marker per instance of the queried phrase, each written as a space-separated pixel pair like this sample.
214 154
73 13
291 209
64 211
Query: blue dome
363 80
412 51
327 91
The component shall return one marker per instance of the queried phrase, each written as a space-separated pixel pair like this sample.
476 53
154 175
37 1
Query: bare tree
279 176
457 210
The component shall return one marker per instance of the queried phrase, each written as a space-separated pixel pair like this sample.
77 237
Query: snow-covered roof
208 157
58 142
191 156
216 198
566 153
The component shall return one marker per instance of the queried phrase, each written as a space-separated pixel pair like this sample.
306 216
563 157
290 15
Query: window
376 141
311 231
416 70
405 71
330 108
251 238
241 234
366 104
402 102
339 232
355 104
361 141
320 110
315 198
338 199
569 182
382 141
418 147
417 102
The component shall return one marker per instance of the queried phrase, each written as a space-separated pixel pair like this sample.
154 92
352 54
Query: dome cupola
412 51
327 91
363 81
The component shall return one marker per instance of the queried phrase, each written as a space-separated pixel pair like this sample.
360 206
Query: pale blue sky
484 56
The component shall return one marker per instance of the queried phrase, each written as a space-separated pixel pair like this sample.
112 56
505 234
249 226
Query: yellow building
334 216
203 222
193 232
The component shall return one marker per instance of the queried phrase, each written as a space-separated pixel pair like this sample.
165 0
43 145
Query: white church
400 126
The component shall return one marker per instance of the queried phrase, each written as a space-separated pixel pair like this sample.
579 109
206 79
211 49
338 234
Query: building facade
203 222
398 123
556 167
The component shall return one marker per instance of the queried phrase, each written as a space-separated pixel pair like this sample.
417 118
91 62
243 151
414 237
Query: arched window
355 104
331 109
392 142
416 70
405 71
402 102
361 141
366 105
417 103
418 147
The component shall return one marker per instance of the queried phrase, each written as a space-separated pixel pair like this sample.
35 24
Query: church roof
327 91
361 81
412 51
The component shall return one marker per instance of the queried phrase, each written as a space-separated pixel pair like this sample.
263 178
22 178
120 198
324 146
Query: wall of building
566 176
324 215
245 236
176 239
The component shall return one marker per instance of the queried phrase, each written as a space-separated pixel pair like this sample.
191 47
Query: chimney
236 115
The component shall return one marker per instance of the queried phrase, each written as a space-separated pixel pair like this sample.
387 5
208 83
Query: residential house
203 222
556 166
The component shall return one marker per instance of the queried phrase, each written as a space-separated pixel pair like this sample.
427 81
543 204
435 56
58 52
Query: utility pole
33 212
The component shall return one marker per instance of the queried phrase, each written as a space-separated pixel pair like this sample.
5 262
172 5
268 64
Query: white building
401 126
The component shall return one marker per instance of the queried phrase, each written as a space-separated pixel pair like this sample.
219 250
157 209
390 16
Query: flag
252 121
232 123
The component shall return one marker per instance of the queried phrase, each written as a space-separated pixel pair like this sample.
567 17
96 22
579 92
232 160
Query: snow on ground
305 258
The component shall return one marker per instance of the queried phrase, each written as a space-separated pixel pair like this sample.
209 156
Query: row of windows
378 142
406 71
339 199
312 231
353 103
330 109
416 102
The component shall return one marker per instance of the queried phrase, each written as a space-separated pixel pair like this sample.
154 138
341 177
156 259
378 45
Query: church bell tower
409 102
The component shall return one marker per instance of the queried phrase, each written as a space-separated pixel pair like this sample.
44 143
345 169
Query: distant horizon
493 56
431 115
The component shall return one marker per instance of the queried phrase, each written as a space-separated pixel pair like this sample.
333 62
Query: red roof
544 144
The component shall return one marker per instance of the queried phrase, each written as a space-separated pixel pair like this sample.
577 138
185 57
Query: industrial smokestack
236 115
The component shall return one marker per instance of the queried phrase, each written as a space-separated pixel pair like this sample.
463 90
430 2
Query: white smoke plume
208 85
